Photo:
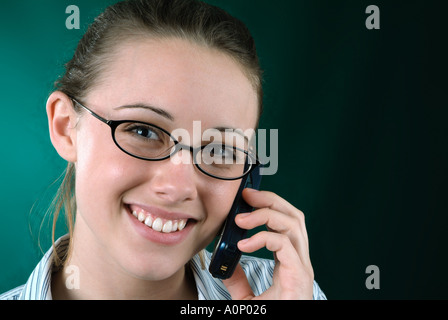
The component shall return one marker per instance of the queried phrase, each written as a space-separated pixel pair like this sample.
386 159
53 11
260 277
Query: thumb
238 286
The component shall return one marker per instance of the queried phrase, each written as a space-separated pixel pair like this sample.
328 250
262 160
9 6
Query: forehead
189 81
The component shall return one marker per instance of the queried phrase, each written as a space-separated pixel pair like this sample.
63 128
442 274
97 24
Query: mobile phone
226 253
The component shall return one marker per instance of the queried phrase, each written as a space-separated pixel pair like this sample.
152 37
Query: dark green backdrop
362 127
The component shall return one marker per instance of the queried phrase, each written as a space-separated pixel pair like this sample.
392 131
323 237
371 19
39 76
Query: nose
174 179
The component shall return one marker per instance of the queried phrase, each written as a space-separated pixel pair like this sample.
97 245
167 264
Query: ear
62 120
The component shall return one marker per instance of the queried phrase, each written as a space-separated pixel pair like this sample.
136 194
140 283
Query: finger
238 285
267 199
294 277
278 222
274 220
275 242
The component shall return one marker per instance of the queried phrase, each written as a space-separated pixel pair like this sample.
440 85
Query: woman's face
187 82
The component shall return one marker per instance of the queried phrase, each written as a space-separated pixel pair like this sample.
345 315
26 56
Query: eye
143 131
221 151
219 154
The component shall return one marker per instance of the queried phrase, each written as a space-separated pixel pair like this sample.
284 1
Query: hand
287 238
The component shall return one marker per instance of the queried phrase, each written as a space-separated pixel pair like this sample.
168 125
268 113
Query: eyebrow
157 110
169 116
233 130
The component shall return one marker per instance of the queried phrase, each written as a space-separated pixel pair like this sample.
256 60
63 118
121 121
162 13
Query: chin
156 266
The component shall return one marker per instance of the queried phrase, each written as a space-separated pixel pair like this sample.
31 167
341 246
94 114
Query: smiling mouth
156 223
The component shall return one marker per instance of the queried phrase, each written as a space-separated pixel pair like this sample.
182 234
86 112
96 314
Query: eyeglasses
149 142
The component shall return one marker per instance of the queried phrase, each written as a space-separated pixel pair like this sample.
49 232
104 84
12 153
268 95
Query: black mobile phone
226 253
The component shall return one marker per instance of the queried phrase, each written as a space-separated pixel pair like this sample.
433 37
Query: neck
65 287
87 275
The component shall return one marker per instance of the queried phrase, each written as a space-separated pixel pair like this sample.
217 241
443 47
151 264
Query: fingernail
244 241
243 215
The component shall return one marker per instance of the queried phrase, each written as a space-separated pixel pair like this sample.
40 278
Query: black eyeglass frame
113 124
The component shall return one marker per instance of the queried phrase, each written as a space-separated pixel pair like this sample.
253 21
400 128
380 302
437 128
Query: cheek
218 202
102 170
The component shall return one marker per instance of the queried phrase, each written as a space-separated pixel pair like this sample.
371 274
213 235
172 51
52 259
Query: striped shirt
258 271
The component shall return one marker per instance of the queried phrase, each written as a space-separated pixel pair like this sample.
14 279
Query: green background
362 127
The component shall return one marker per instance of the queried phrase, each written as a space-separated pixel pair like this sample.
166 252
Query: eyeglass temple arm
91 112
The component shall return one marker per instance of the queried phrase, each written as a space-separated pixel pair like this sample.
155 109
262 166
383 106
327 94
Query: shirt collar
38 286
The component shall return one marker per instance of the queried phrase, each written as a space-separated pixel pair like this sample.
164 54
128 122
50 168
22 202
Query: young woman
141 211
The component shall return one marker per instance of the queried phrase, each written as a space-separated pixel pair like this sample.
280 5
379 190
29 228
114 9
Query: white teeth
157 225
167 226
148 221
182 224
174 228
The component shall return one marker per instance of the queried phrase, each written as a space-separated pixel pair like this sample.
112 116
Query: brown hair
191 20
